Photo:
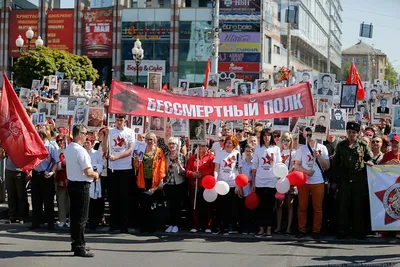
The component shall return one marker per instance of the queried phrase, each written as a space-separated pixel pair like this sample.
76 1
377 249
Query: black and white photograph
213 81
281 124
363 109
80 115
244 88
66 105
49 109
138 150
396 98
321 123
94 101
235 84
396 118
154 80
38 118
383 107
157 124
358 116
24 95
59 75
137 121
88 85
62 121
35 85
95 119
338 121
315 86
197 131
179 127
323 104
304 76
42 108
197 91
53 110
366 85
208 93
326 84
378 85
178 91
212 128
184 84
337 89
262 85
348 96
53 82
65 88
371 95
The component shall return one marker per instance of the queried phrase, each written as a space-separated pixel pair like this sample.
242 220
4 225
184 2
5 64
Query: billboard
97 33
239 26
238 67
242 6
20 21
145 67
240 37
146 30
239 57
240 47
60 29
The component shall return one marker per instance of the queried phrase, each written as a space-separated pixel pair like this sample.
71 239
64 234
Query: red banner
293 101
97 33
60 29
20 21
238 67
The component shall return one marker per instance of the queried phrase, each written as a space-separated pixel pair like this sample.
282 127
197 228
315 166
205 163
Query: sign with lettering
239 67
60 29
239 26
240 37
20 21
240 47
145 30
97 33
234 6
239 57
145 67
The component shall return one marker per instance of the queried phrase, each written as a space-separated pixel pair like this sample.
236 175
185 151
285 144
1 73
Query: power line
369 12
374 24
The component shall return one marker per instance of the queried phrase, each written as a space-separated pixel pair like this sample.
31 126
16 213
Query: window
364 70
267 53
357 60
365 60
381 70
277 50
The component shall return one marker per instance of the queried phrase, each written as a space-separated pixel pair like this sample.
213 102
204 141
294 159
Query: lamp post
137 55
29 36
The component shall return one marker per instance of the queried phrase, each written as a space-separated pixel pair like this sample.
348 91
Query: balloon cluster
214 188
286 179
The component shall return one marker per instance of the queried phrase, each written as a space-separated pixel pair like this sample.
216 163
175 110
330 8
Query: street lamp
29 35
137 55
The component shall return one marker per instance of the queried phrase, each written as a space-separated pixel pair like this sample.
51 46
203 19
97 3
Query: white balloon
283 185
280 170
210 195
222 188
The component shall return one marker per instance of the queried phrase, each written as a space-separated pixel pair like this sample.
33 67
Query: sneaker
225 232
175 229
169 229
208 231
61 224
215 232
300 235
194 230
398 236
316 236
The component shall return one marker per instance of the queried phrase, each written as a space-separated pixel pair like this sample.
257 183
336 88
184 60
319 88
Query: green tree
43 61
391 75
346 71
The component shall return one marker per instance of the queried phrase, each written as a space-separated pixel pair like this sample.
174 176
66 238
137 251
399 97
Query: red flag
208 70
165 87
354 78
17 133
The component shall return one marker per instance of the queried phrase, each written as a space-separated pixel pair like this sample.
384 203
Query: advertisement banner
20 21
239 57
146 30
238 67
384 196
145 67
60 29
240 37
243 6
239 26
97 33
240 47
293 101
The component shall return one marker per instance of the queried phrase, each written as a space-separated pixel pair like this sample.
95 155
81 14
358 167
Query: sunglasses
85 133
277 136
309 135
221 140
285 141
59 140
171 144
148 140
375 142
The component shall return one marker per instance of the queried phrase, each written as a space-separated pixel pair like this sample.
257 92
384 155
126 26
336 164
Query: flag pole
197 180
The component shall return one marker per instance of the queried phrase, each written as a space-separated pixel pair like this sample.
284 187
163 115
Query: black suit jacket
384 111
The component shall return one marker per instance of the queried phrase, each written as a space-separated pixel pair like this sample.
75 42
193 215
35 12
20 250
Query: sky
384 16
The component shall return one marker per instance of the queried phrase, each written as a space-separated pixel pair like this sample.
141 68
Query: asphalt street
20 247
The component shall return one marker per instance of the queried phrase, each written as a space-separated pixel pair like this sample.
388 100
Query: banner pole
197 180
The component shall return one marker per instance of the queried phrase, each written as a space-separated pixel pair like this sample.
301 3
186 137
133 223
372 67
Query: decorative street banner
20 21
384 196
293 101
60 29
97 33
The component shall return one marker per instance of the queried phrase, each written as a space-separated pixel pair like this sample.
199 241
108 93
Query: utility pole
215 37
289 41
328 67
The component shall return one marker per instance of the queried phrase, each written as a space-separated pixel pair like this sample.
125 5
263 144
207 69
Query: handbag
324 175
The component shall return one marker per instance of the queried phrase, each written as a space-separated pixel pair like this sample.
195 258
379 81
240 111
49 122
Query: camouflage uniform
351 177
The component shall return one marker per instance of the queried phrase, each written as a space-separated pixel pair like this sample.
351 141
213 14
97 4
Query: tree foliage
43 61
391 75
346 71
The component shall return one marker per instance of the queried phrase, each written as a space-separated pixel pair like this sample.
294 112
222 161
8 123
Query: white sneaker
175 229
398 236
194 230
169 229
61 224
208 231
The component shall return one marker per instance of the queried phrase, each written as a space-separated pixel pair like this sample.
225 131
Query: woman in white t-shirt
266 155
287 154
226 169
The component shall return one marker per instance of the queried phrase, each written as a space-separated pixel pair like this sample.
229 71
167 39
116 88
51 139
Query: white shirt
288 156
77 160
246 169
119 141
308 162
96 160
263 162
227 166
216 147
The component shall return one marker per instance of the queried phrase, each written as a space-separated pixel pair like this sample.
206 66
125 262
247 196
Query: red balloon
251 201
297 178
242 180
279 196
208 182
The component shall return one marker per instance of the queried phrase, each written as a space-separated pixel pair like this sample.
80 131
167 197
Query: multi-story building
370 62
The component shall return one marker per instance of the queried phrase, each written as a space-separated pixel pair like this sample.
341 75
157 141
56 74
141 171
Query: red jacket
206 167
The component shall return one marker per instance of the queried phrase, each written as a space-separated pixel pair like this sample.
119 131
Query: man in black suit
281 121
383 107
320 128
337 123
326 81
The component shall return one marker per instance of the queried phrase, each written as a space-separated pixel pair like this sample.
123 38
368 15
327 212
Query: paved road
19 247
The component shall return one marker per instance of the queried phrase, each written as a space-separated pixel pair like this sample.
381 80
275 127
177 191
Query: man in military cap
350 178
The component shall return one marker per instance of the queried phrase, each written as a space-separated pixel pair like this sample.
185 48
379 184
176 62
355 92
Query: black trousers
119 189
226 209
17 195
265 209
96 210
42 192
79 197
175 195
